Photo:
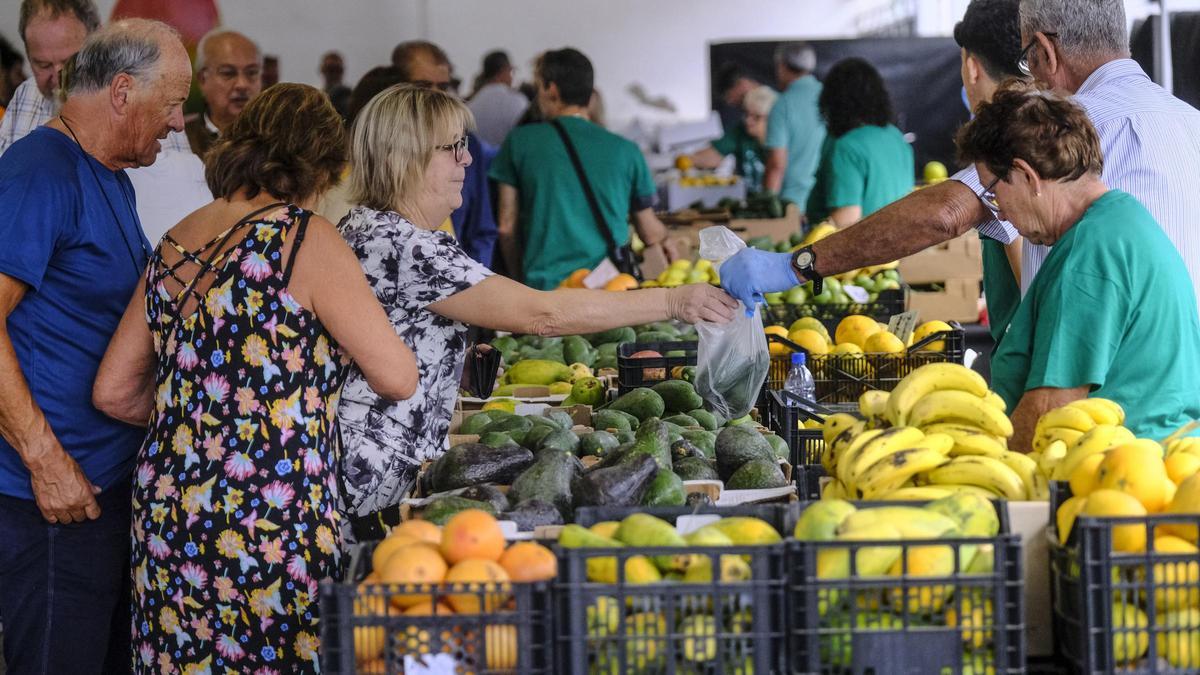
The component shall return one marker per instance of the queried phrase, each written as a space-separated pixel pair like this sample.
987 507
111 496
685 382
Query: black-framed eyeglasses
459 148
989 197
1023 60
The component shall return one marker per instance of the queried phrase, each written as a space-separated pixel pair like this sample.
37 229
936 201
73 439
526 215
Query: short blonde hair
393 140
760 100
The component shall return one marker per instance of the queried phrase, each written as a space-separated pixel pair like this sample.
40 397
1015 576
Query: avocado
442 509
549 479
665 490
486 493
498 439
655 336
757 474
562 419
597 444
704 418
562 441
662 327
624 437
533 439
621 485
611 419
682 421
577 349
614 457
653 439
612 336
634 422
477 422
684 448
705 441
737 445
472 464
514 426
695 468
533 513
544 420
779 446
642 403
678 396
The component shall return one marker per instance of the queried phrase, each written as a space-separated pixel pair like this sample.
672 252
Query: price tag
605 272
969 358
856 293
902 325
430 664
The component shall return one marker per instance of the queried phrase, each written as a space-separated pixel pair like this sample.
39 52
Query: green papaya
624 437
655 336
653 438
662 327
587 391
498 439
476 423
471 464
560 441
757 474
612 336
779 447
535 436
684 448
597 444
695 468
577 349
514 426
682 421
562 419
704 418
737 445
610 419
704 441
620 485
678 396
642 403
549 479
505 343
665 490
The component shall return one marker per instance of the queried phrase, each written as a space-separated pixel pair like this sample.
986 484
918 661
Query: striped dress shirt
1151 146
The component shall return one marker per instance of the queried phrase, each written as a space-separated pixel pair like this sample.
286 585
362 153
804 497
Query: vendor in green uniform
865 162
744 141
1112 312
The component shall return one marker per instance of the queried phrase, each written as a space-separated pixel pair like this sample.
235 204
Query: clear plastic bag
732 359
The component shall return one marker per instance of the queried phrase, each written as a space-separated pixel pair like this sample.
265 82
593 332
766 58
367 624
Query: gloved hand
751 272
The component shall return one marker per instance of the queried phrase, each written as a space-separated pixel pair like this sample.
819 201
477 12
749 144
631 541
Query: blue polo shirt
58 235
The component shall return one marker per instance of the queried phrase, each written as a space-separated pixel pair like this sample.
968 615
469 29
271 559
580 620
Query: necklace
137 268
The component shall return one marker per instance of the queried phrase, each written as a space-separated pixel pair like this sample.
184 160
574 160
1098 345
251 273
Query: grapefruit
472 533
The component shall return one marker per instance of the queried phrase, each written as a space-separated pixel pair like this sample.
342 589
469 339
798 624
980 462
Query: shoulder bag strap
587 189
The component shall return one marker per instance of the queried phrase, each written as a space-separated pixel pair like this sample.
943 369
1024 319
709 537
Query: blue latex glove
751 272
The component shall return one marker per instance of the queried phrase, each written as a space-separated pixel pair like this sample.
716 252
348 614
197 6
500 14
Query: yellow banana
918 494
1101 410
1024 467
954 404
942 443
833 489
1189 445
1050 458
927 379
873 403
996 401
986 472
836 424
1043 439
959 429
859 458
1065 416
849 450
840 442
977 444
891 472
1098 439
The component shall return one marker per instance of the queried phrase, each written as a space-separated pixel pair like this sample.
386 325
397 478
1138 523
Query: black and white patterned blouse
409 269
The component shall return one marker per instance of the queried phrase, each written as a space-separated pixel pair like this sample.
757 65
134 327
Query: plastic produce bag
732 359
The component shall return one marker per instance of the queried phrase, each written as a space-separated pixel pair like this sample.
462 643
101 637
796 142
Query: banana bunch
1070 422
939 432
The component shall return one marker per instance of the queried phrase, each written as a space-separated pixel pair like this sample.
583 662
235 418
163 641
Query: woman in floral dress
235 350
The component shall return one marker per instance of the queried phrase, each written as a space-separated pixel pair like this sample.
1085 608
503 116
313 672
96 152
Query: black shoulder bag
622 257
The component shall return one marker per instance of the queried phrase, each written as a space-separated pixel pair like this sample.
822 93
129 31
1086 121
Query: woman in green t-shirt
745 141
865 162
1111 313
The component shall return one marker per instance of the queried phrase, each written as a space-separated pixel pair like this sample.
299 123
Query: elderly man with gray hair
1150 140
73 254
795 130
229 74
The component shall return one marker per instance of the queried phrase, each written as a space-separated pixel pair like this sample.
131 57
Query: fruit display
581 354
864 572
456 589
639 595
681 272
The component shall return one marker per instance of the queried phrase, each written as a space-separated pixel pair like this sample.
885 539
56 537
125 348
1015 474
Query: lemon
883 342
929 328
855 329
776 348
812 341
811 323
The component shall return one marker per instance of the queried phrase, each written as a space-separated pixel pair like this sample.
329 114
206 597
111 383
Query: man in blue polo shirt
72 256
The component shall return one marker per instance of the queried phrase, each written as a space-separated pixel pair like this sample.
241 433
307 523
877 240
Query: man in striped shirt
1150 139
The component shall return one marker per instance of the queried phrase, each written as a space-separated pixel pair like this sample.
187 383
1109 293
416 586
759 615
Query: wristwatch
803 262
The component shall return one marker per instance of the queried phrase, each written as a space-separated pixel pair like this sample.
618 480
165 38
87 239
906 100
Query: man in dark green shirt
547 229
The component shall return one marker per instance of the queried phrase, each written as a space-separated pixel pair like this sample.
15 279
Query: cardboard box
958 301
1029 519
678 196
959 258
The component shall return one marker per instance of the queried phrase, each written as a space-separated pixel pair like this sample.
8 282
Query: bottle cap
798 358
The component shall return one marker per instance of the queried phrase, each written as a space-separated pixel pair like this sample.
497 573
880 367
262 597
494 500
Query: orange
576 279
621 282
478 575
472 533
529 561
413 565
388 546
855 329
427 608
422 530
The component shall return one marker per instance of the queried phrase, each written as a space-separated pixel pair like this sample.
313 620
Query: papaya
612 336
653 439
642 403
695 468
597 443
538 371
779 446
704 441
472 464
704 418
739 444
576 349
757 474
665 490
476 423
549 479
611 419
682 421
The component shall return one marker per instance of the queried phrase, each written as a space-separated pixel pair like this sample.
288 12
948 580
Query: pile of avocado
598 350
648 442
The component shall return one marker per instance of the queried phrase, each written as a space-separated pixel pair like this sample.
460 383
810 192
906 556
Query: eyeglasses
429 84
1023 60
459 148
989 197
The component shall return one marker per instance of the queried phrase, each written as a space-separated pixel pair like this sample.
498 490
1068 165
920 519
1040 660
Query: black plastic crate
908 624
888 304
511 635
646 372
1096 591
721 627
808 481
842 378
775 515
787 412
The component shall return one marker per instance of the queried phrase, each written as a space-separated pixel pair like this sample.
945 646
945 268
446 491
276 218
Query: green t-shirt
750 155
796 124
1111 307
558 232
869 167
1000 287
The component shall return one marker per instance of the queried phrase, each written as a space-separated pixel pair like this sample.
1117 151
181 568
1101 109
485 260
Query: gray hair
83 10
130 46
760 100
217 33
1084 27
798 56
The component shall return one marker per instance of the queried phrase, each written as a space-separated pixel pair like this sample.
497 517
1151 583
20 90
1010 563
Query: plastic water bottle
799 380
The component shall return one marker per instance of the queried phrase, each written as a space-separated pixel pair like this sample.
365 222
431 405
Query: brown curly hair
288 142
1046 130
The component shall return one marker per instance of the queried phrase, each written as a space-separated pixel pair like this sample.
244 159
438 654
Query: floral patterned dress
234 501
